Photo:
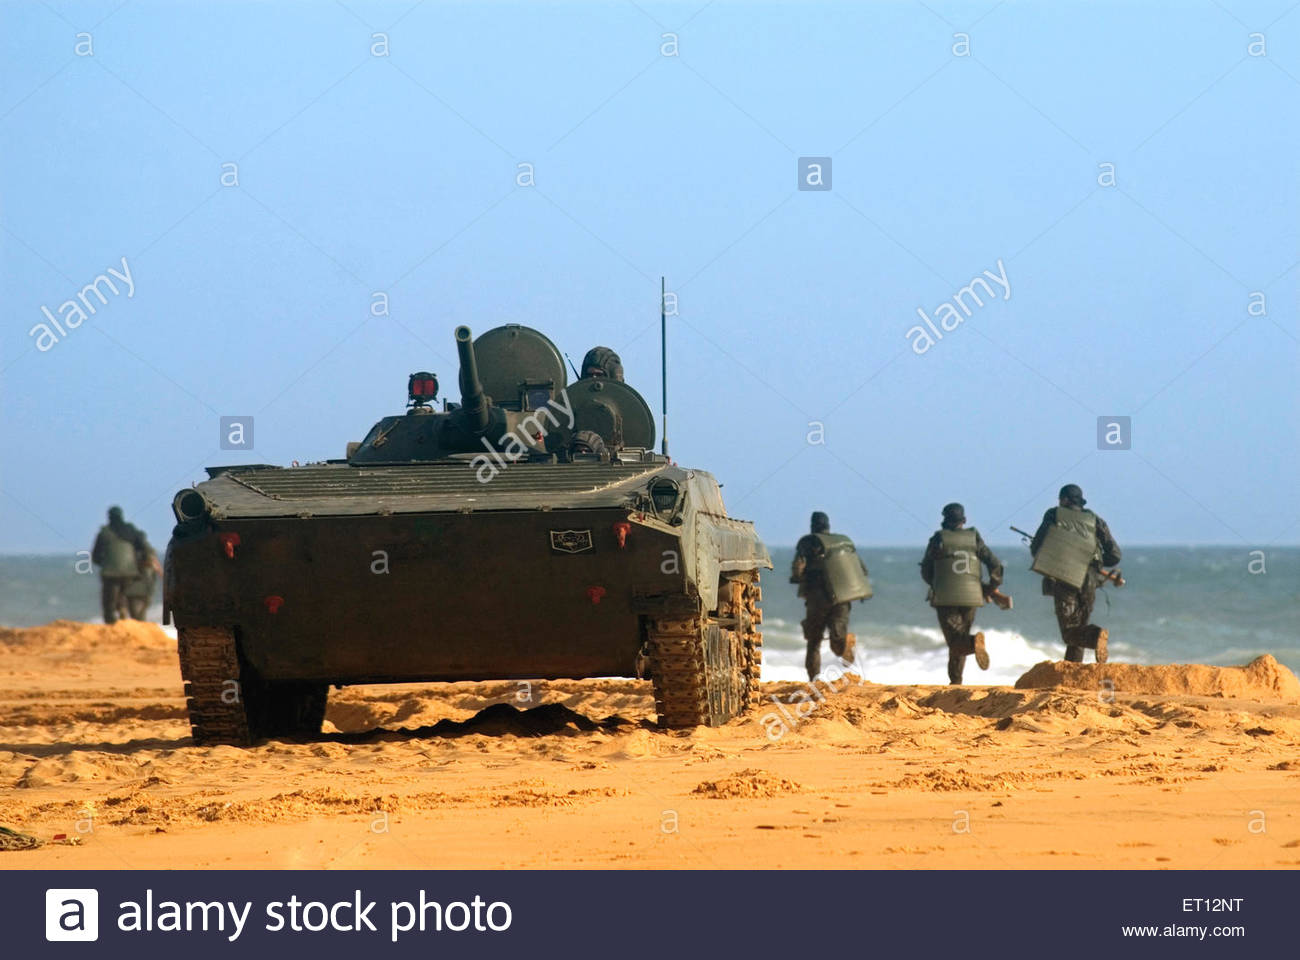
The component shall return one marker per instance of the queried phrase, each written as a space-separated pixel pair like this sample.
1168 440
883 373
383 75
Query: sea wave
907 653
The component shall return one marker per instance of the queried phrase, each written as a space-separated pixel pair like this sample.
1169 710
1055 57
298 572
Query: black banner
665 915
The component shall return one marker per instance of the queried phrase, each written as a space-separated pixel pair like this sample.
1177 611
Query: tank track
210 668
706 670
751 615
229 703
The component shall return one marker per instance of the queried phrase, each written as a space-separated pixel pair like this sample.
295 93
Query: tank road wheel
214 692
705 669
229 703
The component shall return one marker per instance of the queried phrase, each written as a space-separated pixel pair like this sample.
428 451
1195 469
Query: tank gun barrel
473 404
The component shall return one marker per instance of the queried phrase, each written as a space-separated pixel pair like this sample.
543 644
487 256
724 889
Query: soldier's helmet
953 514
114 514
588 441
602 362
1072 493
820 522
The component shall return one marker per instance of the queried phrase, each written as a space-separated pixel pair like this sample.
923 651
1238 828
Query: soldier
115 554
602 362
951 568
831 576
139 590
1070 547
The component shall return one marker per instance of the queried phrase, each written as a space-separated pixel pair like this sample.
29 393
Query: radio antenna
663 358
576 374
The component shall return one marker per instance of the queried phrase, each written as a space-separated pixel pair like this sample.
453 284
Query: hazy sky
960 135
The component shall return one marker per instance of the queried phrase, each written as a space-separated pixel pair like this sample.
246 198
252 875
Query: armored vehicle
529 531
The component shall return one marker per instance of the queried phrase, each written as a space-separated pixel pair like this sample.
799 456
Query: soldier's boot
956 665
1103 654
850 648
812 661
981 653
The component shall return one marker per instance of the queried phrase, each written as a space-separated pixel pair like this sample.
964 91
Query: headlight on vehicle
664 494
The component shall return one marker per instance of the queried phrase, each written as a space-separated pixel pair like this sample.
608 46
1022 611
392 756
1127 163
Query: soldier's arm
1049 518
1110 553
990 560
800 562
927 561
97 551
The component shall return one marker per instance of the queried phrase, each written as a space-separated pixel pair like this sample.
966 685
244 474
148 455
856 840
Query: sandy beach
1078 766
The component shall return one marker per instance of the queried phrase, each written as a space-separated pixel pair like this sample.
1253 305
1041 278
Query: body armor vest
119 556
839 569
1070 547
957 571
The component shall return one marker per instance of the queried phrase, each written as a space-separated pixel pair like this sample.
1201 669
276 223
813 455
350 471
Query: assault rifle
1114 576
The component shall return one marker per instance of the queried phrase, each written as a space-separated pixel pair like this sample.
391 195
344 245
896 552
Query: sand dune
1261 679
1078 765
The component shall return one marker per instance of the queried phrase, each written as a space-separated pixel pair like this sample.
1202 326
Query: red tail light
228 543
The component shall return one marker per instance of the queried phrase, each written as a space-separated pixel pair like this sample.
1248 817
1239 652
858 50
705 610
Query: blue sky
361 173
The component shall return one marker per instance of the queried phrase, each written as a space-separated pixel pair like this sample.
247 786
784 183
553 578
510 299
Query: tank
527 532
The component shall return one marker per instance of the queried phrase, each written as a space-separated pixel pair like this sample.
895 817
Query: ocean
1181 605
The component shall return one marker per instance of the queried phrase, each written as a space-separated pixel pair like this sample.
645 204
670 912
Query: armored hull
467 566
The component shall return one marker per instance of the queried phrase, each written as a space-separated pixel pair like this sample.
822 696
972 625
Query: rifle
1114 576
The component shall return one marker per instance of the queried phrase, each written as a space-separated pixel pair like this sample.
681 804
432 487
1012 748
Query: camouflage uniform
956 622
1074 605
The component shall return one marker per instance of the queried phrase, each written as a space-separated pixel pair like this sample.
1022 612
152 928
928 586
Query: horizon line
861 546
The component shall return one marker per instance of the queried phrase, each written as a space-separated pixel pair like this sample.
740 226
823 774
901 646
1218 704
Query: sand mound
358 716
943 781
1262 679
748 784
77 767
72 635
